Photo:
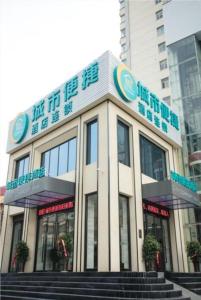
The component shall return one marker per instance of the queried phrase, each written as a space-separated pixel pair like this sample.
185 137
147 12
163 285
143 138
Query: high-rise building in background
161 43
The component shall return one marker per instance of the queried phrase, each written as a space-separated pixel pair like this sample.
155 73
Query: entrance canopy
170 194
40 192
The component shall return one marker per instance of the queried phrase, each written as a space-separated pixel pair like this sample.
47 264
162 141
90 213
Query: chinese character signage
151 208
191 185
35 174
55 208
148 104
92 85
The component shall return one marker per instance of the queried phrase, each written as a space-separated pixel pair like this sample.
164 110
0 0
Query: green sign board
35 174
191 185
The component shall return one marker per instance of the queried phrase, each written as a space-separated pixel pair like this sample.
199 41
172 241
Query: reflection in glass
54 154
72 155
22 167
124 233
123 143
60 159
92 142
91 232
63 159
153 162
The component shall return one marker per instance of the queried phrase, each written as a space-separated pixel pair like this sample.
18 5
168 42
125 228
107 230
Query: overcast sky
42 44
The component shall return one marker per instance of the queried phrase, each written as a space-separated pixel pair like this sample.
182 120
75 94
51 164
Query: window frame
163 83
48 151
88 159
163 64
160 30
166 155
125 125
159 47
159 14
18 161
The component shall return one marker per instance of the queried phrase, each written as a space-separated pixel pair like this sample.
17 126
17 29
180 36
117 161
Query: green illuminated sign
20 127
148 104
191 185
35 174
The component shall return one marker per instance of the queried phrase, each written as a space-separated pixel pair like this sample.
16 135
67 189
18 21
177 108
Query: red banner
55 208
156 210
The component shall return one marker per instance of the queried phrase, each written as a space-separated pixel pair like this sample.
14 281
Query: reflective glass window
165 83
163 64
91 229
63 159
92 142
124 233
153 161
159 14
161 47
160 30
60 159
123 143
22 166
54 155
71 155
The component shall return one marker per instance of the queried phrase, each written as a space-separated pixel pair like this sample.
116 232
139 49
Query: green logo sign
125 83
20 127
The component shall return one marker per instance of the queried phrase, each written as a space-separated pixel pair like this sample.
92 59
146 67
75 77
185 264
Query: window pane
123 143
92 141
159 14
165 83
160 30
53 169
45 161
124 233
26 165
72 155
63 158
91 231
161 47
153 162
163 64
22 167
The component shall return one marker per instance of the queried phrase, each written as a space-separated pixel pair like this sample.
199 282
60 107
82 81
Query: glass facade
91 232
92 142
123 143
185 81
60 159
124 233
153 161
51 227
22 167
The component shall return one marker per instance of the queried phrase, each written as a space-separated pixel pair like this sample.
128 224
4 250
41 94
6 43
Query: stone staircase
190 281
88 286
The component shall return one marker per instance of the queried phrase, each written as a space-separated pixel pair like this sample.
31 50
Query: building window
60 159
92 142
165 83
163 64
167 100
157 1
160 30
159 14
153 161
161 47
91 232
22 166
123 33
123 143
124 233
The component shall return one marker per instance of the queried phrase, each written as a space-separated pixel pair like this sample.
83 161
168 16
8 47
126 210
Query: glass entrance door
158 227
16 237
51 227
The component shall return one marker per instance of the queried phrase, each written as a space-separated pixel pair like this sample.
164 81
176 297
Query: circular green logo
20 127
125 83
